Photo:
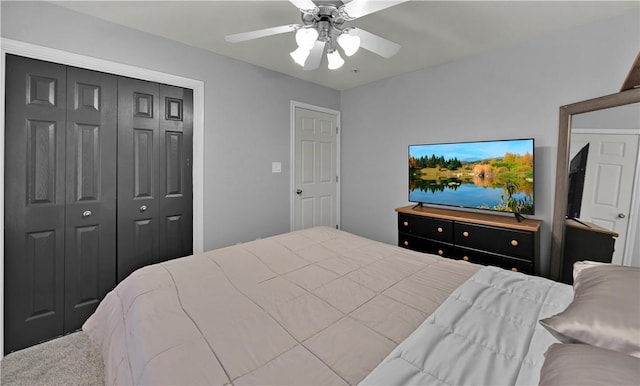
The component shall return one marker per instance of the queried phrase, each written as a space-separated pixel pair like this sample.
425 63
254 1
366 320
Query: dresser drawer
431 228
476 237
424 245
506 262
498 240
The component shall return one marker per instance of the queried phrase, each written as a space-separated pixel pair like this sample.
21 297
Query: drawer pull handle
440 252
465 258
86 213
514 269
406 223
514 243
439 229
406 243
465 234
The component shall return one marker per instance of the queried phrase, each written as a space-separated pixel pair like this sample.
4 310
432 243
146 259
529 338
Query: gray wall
246 113
512 92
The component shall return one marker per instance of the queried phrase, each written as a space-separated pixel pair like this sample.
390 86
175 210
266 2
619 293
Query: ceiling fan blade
304 5
359 8
376 44
244 36
315 57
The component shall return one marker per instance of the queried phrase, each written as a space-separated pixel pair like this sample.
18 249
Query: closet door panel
91 192
138 162
34 201
98 183
176 192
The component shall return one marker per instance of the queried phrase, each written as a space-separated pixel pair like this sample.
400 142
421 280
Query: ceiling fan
323 25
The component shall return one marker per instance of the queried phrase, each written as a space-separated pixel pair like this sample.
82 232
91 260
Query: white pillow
605 310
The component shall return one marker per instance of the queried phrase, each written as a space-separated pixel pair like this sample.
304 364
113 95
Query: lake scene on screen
494 175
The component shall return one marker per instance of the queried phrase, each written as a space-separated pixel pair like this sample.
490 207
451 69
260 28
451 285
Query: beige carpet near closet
69 360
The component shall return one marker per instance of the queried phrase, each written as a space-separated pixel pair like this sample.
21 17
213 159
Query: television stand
519 217
481 238
418 205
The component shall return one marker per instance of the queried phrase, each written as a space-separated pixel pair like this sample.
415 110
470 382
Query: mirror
603 153
587 113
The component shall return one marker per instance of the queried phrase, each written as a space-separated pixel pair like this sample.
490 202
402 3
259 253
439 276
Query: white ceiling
430 32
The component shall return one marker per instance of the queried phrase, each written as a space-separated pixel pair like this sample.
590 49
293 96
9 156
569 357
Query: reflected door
608 186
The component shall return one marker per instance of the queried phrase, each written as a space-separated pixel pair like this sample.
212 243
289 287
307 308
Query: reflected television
489 175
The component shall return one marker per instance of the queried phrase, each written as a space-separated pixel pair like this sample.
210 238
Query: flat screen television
490 175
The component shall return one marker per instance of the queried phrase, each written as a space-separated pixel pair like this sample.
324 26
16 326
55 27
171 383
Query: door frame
10 46
292 157
634 209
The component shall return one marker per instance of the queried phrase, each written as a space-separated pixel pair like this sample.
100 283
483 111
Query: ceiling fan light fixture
300 55
349 43
306 37
322 28
334 59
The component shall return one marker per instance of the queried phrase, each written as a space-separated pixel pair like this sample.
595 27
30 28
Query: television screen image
490 175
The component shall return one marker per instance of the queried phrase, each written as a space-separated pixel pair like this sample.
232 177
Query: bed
325 307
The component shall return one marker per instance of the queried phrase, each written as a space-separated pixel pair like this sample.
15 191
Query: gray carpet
69 360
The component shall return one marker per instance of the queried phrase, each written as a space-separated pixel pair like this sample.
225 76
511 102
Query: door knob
621 215
143 208
299 192
86 213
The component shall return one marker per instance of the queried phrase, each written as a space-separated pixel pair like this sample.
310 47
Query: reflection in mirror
560 262
603 154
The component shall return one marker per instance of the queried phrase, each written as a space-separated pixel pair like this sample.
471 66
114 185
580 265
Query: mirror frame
560 204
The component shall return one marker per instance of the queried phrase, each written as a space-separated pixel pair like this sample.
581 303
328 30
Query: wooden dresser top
476 218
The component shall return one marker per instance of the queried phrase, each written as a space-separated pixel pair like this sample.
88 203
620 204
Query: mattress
316 306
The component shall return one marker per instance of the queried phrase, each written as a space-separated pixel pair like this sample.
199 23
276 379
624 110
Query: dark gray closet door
98 183
59 198
155 199
138 163
90 232
34 201
176 191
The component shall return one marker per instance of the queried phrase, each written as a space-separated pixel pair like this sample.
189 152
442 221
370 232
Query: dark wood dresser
476 237
585 241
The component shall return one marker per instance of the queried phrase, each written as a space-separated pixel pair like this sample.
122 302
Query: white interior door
608 186
315 167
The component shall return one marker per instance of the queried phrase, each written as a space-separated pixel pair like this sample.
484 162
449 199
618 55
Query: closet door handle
143 208
86 213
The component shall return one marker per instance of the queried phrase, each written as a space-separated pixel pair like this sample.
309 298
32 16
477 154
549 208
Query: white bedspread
313 307
485 333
